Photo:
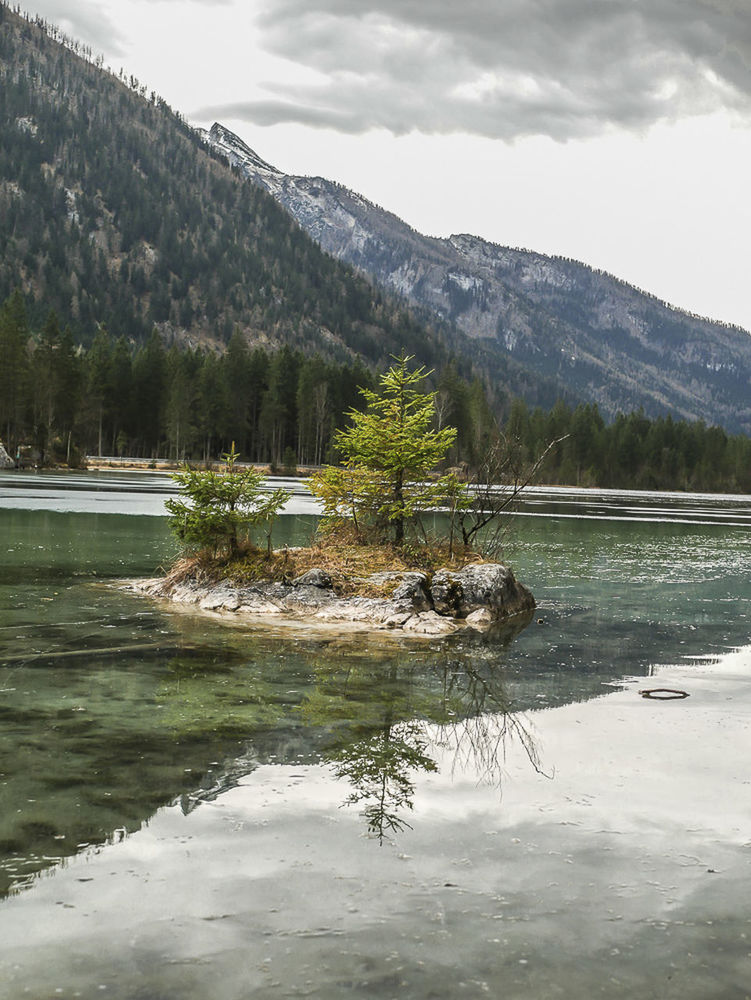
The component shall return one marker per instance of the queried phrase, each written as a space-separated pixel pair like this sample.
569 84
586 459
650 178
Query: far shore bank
114 463
164 466
95 463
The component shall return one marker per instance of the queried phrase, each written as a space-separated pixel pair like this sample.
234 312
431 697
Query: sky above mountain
617 132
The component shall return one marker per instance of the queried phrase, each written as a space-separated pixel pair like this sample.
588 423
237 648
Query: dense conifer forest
631 452
60 401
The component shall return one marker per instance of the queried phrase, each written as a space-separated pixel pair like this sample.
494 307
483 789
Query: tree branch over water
493 490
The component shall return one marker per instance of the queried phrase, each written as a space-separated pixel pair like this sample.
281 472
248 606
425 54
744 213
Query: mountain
585 331
114 212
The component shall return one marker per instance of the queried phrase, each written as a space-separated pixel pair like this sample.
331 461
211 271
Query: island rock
487 587
477 596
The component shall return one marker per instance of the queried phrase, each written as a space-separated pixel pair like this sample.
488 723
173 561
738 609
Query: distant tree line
632 452
60 400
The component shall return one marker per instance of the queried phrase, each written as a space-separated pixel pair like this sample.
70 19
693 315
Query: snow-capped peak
235 149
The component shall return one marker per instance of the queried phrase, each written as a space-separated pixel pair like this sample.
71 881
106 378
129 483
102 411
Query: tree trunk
399 520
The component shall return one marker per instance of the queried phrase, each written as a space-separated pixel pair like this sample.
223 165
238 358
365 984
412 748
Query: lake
192 808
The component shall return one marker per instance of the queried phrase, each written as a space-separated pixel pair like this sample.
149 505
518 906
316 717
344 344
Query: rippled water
117 715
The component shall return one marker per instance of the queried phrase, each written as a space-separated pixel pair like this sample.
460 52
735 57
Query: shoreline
285 625
160 466
166 467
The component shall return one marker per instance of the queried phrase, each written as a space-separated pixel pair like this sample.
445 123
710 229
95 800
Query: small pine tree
390 451
221 507
289 461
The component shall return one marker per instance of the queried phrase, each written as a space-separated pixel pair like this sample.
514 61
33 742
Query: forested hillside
631 452
114 212
154 302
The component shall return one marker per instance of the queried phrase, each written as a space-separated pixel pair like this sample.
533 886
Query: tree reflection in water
379 770
385 721
488 721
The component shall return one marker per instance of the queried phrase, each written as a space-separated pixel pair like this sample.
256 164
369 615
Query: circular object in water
663 694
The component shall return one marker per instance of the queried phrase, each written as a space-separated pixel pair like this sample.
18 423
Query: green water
193 808
112 706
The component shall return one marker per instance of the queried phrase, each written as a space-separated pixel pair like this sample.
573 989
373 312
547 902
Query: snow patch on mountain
27 125
466 282
238 152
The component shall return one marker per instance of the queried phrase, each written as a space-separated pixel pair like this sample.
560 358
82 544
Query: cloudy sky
617 132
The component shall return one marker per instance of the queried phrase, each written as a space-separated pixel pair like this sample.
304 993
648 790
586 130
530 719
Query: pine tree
99 381
14 368
217 509
150 383
181 399
45 366
390 449
68 385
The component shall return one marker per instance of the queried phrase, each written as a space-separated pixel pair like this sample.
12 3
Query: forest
61 400
631 452
114 211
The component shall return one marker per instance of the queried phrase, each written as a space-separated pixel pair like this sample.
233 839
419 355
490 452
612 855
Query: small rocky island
372 564
475 596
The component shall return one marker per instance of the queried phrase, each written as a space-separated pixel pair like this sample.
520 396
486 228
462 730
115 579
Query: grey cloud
274 112
198 3
84 20
505 68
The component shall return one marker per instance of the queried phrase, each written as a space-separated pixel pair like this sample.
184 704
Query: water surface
118 716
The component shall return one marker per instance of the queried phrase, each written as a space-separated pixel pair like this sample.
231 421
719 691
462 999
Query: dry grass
348 563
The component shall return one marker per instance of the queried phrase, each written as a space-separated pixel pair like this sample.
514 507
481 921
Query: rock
479 619
369 611
414 590
185 593
446 592
489 586
306 598
6 462
476 596
429 623
411 593
258 606
220 599
314 578
397 619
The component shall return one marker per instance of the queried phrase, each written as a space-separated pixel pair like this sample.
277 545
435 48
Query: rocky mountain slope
600 338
